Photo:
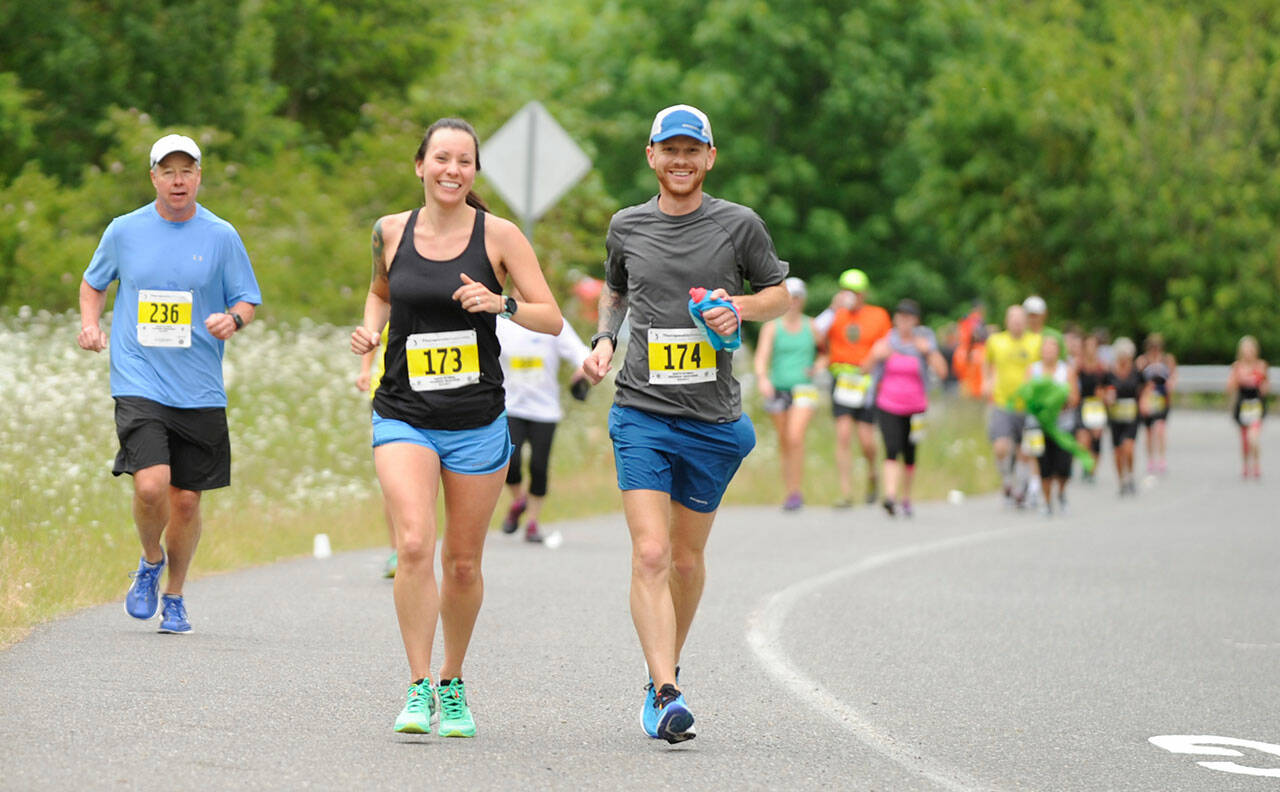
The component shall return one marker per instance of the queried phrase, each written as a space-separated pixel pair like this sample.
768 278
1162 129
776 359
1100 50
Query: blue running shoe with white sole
648 715
175 616
674 720
419 706
143 600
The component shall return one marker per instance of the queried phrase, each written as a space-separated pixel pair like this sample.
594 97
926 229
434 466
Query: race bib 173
441 361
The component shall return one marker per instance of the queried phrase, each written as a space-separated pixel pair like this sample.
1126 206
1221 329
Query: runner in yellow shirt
1008 356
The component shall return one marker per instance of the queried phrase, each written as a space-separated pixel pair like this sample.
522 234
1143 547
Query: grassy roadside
301 464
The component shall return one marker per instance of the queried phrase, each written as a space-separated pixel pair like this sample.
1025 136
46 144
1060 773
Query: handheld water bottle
700 300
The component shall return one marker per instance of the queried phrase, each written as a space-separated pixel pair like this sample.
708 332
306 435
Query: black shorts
1121 432
865 415
194 443
1055 462
1149 420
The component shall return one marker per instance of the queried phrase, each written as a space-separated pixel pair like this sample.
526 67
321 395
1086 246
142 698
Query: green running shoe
389 570
455 715
415 718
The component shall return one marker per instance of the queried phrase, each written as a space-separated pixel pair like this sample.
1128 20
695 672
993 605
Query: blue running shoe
175 616
142 601
675 721
649 715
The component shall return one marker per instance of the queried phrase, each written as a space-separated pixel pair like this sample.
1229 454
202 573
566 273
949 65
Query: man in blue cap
677 424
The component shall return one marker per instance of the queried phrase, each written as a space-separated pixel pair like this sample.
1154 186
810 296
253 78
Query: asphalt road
971 648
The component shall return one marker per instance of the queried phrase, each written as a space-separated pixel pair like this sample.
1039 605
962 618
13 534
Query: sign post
531 161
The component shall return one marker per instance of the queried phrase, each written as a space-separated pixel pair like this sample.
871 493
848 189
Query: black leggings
896 430
539 434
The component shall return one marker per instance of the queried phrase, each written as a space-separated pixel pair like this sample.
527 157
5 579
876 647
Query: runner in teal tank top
786 351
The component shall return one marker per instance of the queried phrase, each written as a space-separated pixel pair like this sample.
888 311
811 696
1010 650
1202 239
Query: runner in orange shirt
846 332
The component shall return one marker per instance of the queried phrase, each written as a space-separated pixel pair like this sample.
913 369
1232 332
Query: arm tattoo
379 261
613 308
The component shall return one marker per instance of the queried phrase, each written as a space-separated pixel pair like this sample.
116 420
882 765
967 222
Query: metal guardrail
1211 379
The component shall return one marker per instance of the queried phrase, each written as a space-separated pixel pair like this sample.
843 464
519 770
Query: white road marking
1208 745
764 634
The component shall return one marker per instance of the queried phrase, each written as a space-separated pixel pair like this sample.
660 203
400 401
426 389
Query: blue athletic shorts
692 461
474 452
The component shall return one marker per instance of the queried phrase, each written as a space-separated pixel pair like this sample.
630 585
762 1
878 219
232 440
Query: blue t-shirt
189 270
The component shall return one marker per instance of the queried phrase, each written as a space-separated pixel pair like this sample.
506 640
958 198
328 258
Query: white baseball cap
1035 305
171 143
681 119
795 287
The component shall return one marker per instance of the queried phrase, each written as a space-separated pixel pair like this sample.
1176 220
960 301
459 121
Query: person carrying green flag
1044 396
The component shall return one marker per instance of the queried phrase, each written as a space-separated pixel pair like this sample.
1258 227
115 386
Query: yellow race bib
1093 413
1124 411
804 395
680 356
442 361
164 318
1250 411
1033 441
918 426
851 388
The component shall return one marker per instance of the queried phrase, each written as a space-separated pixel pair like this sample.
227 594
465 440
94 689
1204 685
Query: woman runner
1124 388
1247 387
1161 370
1091 412
1055 462
900 360
530 371
439 418
784 365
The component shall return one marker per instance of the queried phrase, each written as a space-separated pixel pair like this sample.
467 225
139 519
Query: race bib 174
680 357
442 361
164 318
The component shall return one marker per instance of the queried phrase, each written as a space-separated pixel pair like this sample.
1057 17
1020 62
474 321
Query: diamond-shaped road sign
532 161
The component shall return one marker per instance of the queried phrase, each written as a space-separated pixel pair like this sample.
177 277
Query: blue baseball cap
681 120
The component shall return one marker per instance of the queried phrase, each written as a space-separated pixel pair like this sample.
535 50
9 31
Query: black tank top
1089 379
442 369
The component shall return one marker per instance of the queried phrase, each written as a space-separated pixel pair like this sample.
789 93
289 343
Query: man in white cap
186 286
678 430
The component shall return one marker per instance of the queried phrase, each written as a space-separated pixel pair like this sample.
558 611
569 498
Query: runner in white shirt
530 369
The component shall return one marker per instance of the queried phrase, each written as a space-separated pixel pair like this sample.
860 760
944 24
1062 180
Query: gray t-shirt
654 259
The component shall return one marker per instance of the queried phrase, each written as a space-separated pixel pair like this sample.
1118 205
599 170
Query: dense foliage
1119 158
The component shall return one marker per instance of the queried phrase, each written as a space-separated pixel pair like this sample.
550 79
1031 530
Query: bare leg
908 475
1002 449
689 533
181 536
891 479
793 466
844 455
410 478
867 439
468 503
151 509
391 529
785 453
534 508
652 607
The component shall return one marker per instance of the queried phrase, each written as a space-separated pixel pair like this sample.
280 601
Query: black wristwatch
235 317
509 307
613 339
